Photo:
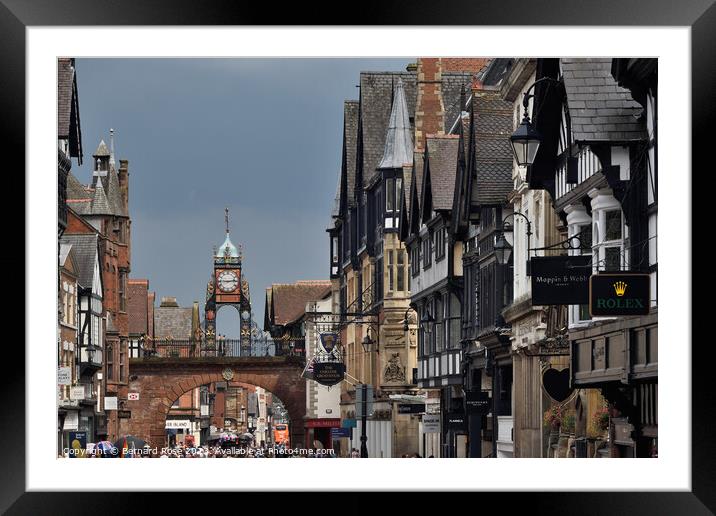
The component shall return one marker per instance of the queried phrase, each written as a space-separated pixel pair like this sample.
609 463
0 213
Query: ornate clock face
228 281
228 374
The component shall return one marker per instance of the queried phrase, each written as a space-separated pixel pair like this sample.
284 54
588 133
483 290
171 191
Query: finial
226 219
111 146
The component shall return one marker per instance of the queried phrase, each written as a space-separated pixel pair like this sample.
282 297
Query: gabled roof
85 250
376 99
599 109
288 300
350 140
442 155
492 128
68 112
138 306
173 322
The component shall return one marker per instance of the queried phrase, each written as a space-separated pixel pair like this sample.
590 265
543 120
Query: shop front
318 432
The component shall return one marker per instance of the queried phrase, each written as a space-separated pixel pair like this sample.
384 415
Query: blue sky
259 136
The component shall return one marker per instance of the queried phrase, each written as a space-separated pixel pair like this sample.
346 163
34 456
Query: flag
308 370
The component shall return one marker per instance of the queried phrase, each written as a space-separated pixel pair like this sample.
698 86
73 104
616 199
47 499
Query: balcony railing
190 348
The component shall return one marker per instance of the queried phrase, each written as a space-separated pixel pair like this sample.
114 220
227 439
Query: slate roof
100 204
451 85
84 249
102 150
376 91
289 299
442 157
137 306
173 322
113 193
350 117
65 87
493 119
599 109
399 140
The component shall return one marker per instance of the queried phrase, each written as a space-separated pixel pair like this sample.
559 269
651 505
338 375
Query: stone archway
160 382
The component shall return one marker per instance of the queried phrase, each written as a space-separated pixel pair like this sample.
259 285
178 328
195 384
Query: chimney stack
430 110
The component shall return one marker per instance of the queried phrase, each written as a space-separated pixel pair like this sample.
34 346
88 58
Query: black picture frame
17 15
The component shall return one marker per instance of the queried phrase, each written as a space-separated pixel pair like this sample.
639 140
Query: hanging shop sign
431 423
328 341
619 294
329 373
560 280
124 414
411 408
456 420
556 384
477 402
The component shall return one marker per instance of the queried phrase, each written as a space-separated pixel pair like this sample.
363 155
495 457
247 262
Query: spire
399 140
111 146
227 249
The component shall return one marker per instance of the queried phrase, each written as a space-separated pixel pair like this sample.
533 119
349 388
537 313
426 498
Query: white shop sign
110 403
431 423
64 376
204 410
77 392
177 423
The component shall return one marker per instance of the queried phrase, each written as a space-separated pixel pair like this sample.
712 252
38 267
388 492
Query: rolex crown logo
620 288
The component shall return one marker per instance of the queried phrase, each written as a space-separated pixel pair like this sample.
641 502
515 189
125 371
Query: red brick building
102 207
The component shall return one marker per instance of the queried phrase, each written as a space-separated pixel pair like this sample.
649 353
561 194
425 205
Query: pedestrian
355 454
431 457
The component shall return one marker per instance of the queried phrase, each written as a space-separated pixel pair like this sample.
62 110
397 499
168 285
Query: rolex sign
619 294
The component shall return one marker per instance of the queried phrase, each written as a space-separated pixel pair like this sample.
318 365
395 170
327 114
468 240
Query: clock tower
227 286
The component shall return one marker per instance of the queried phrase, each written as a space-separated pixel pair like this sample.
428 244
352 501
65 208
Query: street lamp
427 321
368 342
526 139
503 249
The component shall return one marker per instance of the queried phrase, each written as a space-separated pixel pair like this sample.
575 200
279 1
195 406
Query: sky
259 136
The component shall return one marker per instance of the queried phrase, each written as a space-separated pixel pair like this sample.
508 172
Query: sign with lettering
77 392
349 423
124 414
110 403
133 396
329 373
64 375
560 280
619 294
337 433
477 402
431 423
78 443
411 408
456 420
177 423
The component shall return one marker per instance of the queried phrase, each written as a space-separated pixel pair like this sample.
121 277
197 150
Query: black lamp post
526 139
503 249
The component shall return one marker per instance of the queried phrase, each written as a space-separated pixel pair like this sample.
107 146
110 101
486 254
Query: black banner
560 280
619 294
456 420
411 408
329 373
477 402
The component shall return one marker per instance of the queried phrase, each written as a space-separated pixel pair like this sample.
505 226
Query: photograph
415 257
